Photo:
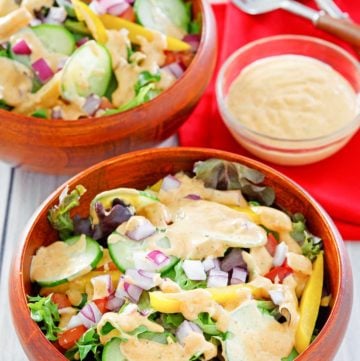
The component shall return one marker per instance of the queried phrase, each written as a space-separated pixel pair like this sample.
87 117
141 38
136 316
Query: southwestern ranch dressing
255 319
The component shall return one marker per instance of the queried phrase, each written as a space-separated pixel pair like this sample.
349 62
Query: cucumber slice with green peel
112 351
77 27
87 72
61 262
55 38
122 250
130 196
170 17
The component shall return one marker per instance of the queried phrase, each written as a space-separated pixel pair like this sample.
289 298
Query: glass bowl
277 149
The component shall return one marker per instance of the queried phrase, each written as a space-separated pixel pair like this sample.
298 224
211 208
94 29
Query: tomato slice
271 244
279 273
60 300
129 14
101 304
68 338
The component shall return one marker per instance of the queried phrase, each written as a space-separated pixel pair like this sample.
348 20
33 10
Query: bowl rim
94 122
344 289
229 119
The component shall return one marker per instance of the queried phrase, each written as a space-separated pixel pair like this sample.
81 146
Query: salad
69 59
200 266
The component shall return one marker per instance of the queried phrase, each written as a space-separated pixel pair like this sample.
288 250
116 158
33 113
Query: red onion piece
82 41
217 278
185 329
280 254
21 48
175 69
233 259
134 292
194 270
74 322
56 113
92 104
170 182
56 15
90 315
194 197
209 264
117 10
143 279
42 70
239 275
62 63
158 258
193 40
144 228
114 303
277 296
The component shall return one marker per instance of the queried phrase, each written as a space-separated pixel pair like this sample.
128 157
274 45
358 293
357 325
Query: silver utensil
345 30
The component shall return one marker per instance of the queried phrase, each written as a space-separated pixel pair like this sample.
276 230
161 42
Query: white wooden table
22 192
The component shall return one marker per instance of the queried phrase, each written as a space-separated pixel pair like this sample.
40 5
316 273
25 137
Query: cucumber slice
122 250
130 196
73 262
87 72
112 351
55 38
170 17
77 27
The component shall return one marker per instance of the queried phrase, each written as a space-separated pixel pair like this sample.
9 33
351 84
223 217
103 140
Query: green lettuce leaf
59 215
225 175
291 357
89 343
208 326
46 313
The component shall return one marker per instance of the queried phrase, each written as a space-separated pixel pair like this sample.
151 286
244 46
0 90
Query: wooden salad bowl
66 147
142 168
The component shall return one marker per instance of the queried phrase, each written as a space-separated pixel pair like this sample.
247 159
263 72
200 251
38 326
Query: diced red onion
193 40
35 22
142 262
90 315
175 69
170 182
238 276
92 104
209 264
143 279
82 41
106 281
134 292
144 228
114 303
112 7
21 48
74 322
56 15
280 254
56 113
97 8
194 197
232 259
158 258
62 63
117 10
42 70
185 329
217 278
277 296
194 270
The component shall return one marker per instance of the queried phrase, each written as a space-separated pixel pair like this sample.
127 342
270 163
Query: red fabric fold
333 182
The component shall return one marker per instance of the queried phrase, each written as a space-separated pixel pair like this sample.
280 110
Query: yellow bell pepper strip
309 305
96 27
253 217
167 302
136 30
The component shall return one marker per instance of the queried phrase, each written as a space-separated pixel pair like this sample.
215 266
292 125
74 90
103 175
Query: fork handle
343 29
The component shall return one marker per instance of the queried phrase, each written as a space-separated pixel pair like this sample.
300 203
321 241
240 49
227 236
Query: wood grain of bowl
66 147
139 169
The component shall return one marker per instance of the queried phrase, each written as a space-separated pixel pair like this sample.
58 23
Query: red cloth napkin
333 182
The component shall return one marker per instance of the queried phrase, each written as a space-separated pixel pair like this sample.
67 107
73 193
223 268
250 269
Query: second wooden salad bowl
143 168
66 147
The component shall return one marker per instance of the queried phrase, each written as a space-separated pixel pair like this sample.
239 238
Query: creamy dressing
58 260
291 97
258 337
15 81
14 22
7 6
